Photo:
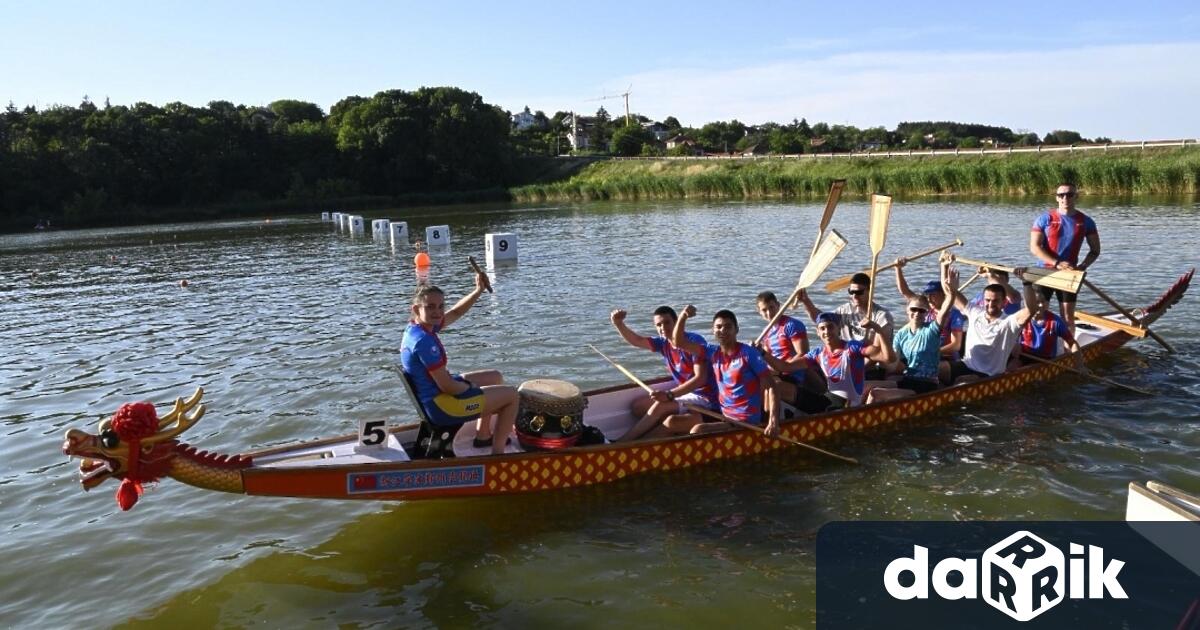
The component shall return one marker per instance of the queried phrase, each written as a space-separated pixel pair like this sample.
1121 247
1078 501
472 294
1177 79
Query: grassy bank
1166 171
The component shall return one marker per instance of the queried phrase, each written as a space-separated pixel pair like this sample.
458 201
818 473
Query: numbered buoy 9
421 260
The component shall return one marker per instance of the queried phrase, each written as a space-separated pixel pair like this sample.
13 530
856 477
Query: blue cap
933 286
827 317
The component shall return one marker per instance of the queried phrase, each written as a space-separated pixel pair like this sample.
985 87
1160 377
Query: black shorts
1063 296
875 372
958 368
918 385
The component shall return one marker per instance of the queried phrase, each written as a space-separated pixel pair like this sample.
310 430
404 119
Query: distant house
661 132
684 141
816 142
523 120
871 146
758 149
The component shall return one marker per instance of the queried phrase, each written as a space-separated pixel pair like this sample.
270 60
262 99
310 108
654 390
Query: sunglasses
1066 195
917 311
856 291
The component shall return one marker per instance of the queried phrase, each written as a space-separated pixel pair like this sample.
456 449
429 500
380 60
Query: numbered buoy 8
437 235
500 246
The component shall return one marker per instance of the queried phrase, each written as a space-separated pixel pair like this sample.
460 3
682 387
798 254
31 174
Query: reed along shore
1125 171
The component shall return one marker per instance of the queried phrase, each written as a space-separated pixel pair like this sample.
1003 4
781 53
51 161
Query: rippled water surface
293 329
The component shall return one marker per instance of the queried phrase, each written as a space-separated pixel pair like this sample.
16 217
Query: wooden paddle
1087 374
750 427
629 375
1111 324
969 282
487 283
830 247
1068 280
844 281
881 211
835 193
1136 322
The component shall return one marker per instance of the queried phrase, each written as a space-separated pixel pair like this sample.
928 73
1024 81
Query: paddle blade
881 211
1068 280
830 247
835 193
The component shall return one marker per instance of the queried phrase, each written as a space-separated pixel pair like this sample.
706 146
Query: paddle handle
844 281
629 375
963 289
487 283
750 427
1087 374
1136 322
871 289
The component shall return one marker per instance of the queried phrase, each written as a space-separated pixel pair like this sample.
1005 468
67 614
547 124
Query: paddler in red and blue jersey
691 382
843 361
746 387
1040 335
784 345
451 400
1056 238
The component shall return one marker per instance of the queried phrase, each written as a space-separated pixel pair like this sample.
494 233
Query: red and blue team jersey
782 338
736 376
682 365
421 352
954 322
845 370
1040 336
1064 234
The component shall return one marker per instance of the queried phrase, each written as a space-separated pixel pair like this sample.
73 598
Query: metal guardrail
1112 146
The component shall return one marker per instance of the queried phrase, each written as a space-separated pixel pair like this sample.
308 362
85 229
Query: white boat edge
1154 501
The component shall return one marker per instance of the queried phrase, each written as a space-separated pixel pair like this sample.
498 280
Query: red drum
550 415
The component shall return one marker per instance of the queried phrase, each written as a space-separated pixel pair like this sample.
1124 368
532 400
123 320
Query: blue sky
1120 69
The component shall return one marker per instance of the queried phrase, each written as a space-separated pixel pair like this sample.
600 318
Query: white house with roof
523 120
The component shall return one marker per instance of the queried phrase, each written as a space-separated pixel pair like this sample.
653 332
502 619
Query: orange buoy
421 260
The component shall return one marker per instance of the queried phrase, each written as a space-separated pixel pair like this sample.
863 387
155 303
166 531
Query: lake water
292 328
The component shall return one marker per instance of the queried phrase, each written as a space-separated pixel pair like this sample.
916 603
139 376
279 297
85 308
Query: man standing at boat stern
1055 239
451 400
746 388
692 383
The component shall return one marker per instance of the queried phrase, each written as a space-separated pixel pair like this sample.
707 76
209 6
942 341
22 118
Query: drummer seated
452 400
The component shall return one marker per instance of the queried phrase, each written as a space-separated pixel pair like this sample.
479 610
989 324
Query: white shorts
692 398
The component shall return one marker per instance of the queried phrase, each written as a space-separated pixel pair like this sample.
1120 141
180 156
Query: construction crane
625 95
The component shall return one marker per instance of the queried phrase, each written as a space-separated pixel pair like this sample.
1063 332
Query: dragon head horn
180 417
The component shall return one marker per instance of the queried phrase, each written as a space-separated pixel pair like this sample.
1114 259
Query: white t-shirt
849 317
989 344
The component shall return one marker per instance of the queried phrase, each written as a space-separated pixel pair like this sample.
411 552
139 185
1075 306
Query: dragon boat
136 446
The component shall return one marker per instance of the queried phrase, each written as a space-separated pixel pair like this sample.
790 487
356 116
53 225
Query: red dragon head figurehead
135 446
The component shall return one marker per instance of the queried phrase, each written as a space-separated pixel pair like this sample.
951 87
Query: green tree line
113 164
92 165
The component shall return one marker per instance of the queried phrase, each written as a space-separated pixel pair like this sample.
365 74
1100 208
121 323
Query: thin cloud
1127 91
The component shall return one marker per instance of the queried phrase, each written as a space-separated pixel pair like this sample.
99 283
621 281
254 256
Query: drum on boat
550 415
